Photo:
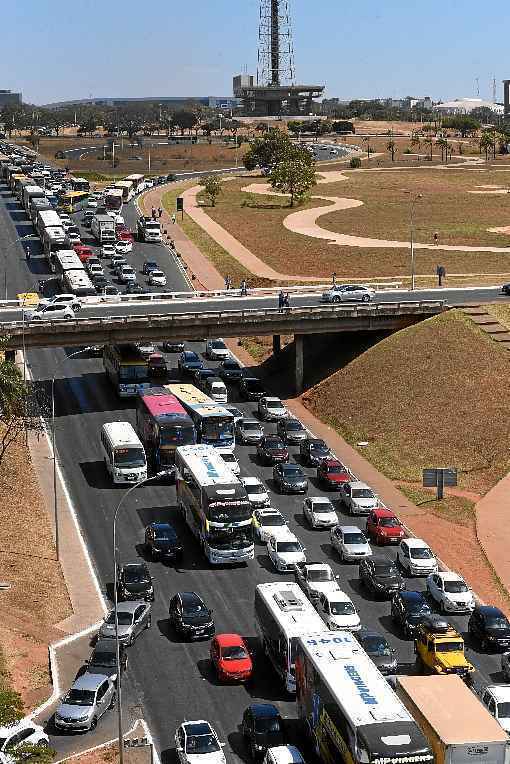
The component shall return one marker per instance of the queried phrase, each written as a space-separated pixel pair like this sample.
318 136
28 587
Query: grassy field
446 208
432 394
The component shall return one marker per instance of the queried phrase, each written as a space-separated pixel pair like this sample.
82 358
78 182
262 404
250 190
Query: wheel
112 701
93 724
149 622
365 298
335 299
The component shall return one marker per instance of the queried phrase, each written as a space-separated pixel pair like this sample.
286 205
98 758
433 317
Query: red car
125 236
384 527
83 252
332 474
231 658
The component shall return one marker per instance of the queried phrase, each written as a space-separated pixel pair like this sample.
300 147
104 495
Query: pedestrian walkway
493 530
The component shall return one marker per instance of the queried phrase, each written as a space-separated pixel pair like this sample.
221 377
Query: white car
62 299
49 313
315 578
283 754
348 293
156 278
350 543
22 733
229 458
285 552
198 743
123 246
216 350
269 522
146 349
65 218
108 251
127 274
415 557
496 697
337 611
257 492
319 512
236 413
451 592
95 270
271 409
358 497
91 204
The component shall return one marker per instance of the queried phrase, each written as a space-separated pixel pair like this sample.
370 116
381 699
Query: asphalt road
168 679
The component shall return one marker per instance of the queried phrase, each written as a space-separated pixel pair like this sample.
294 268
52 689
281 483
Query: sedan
285 552
126 274
188 362
348 293
132 617
350 543
450 592
291 430
190 616
231 658
162 542
269 522
134 582
156 278
408 609
416 558
216 350
230 370
380 576
172 347
313 450
251 389
108 251
319 512
272 450
490 627
148 266
262 728
123 246
196 742
249 430
90 696
290 478
146 349
257 492
378 649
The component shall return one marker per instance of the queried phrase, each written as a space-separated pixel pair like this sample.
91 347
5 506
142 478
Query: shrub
11 707
355 163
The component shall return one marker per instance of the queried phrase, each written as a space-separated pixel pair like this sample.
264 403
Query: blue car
189 362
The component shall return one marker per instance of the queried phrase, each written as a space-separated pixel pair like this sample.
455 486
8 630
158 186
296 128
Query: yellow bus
69 201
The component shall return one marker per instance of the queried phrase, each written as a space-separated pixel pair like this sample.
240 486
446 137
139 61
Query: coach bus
214 504
213 423
162 425
126 189
127 369
80 184
113 199
71 200
138 182
282 613
348 708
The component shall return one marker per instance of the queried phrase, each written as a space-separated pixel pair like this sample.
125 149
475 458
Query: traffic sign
439 477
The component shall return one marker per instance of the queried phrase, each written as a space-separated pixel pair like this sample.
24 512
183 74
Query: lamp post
12 244
412 201
164 473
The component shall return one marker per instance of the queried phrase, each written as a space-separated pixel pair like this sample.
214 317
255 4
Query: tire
365 298
112 701
336 299
93 724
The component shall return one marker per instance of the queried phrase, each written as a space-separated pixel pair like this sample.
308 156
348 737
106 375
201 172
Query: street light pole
16 241
164 473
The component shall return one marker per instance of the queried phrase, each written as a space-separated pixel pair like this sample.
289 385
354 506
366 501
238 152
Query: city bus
124 456
127 369
69 201
213 423
214 504
80 184
126 187
162 425
71 273
113 199
282 614
53 239
348 708
138 182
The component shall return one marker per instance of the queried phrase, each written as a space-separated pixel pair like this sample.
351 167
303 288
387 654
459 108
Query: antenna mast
276 50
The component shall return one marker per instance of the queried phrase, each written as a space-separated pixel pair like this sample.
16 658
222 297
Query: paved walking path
493 531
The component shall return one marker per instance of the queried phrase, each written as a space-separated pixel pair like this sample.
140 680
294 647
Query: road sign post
439 478
179 203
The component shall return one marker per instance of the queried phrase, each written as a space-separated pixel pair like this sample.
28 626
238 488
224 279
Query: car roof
350 529
317 566
416 543
88 682
338 595
383 512
265 710
267 512
320 500
128 606
104 645
490 610
333 463
285 754
189 597
198 727
411 596
250 480
358 484
162 526
135 566
286 535
272 398
450 575
501 692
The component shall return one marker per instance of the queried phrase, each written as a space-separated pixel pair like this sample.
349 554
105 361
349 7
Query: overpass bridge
226 323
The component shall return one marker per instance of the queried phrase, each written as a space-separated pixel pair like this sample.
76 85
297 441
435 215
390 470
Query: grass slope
434 394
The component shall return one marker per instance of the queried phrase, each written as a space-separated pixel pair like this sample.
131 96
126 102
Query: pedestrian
281 300
244 288
436 238
333 279
28 254
41 286
286 302
173 217
153 213
160 212
228 282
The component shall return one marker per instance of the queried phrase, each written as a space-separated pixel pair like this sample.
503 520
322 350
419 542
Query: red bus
162 425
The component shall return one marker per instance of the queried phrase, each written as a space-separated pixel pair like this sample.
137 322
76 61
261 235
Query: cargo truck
103 229
149 230
458 727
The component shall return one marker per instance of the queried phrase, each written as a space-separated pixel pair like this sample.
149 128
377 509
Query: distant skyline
57 51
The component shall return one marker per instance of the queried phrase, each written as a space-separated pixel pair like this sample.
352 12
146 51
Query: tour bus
70 201
282 614
215 505
65 260
124 456
213 423
162 425
31 192
137 181
80 184
113 199
78 283
126 187
127 369
47 219
36 206
349 709
71 273
53 240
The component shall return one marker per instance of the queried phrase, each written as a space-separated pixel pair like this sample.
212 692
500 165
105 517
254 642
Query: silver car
249 430
348 293
133 617
350 543
88 699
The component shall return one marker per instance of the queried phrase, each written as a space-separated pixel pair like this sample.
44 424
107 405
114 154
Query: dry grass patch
500 311
432 394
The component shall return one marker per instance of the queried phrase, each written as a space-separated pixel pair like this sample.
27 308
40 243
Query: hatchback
350 543
156 278
384 527
134 582
272 450
231 658
90 696
196 742
50 313
216 350
490 627
104 659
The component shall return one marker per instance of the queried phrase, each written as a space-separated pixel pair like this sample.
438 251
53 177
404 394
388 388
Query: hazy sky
61 49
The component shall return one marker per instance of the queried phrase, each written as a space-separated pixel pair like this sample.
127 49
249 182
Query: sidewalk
492 529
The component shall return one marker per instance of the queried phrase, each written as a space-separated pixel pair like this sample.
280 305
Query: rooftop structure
466 106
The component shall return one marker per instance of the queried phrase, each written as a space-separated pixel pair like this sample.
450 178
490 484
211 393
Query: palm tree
430 143
366 140
443 145
392 148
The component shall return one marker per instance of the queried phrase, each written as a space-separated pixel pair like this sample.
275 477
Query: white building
466 106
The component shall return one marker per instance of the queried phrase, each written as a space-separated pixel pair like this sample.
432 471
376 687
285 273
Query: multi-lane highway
169 679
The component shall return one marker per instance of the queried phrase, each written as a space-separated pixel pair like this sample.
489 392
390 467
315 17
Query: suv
271 409
251 389
408 609
496 697
134 582
384 527
440 648
62 299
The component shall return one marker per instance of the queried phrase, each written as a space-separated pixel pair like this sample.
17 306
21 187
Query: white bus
215 505
113 199
53 239
78 283
47 219
137 182
348 708
282 614
126 188
124 455
71 273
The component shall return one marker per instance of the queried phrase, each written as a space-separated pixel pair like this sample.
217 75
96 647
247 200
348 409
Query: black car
189 362
230 370
313 450
110 289
272 450
490 627
148 266
262 728
378 649
380 576
200 376
104 659
505 289
172 347
134 582
408 610
190 616
135 288
99 283
251 389
162 542
290 478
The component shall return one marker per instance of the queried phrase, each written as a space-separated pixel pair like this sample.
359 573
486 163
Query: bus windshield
129 457
231 538
225 512
217 429
176 435
131 373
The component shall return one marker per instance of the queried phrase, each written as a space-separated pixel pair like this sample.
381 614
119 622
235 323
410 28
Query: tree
466 125
212 187
273 148
184 120
443 145
293 177
485 143
391 146
429 141
355 163
415 141
11 707
32 753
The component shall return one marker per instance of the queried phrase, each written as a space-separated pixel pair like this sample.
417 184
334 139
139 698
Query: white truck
458 727
149 230
103 229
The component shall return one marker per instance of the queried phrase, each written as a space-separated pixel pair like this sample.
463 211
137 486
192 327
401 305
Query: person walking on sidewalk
244 288
173 217
228 282
153 213
160 212
281 301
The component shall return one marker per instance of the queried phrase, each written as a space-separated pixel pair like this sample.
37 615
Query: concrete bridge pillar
277 344
298 348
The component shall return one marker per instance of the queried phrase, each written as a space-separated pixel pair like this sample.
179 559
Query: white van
215 388
124 455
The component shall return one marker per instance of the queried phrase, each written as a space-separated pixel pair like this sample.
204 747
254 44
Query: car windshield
342 608
274 404
389 522
164 534
80 698
318 447
104 659
251 426
455 587
449 647
354 538
231 365
422 553
217 345
288 546
362 493
322 508
291 470
257 488
201 744
254 386
129 457
267 725
418 607
233 653
136 576
503 710
375 645
320 575
497 623
190 356
124 619
385 569
336 469
272 521
293 424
